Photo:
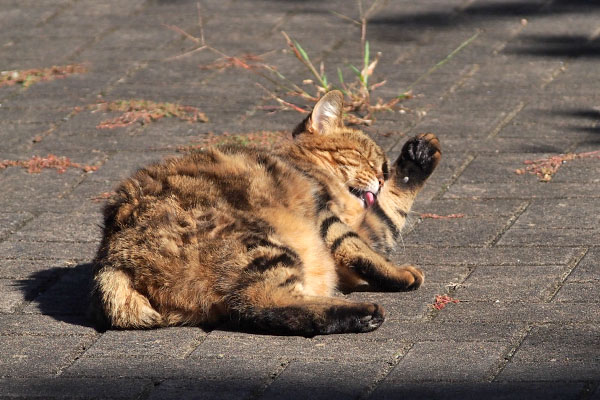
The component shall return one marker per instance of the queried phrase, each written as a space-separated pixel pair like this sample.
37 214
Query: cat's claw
418 159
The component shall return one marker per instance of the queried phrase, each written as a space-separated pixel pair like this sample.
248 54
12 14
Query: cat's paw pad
354 318
373 319
418 158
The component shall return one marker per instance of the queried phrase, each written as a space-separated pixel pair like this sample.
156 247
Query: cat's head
348 154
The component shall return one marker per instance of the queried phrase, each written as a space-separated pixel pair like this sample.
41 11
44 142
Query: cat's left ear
325 117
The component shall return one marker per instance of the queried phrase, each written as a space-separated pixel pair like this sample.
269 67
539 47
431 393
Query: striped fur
262 238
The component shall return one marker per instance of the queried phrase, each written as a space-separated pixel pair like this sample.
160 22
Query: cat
262 238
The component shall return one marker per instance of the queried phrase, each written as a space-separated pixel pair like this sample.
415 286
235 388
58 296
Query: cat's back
229 179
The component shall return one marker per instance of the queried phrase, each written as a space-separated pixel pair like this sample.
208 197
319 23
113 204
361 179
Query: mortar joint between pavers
147 391
506 120
457 173
77 353
257 394
514 346
464 78
385 371
55 14
511 220
195 344
571 267
20 225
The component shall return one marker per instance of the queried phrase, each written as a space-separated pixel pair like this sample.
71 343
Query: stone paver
522 257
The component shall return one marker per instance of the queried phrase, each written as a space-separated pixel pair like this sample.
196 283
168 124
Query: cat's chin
366 197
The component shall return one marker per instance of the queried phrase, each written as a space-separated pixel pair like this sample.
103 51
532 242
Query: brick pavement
523 260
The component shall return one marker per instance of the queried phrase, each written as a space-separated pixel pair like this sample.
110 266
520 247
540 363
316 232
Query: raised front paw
419 157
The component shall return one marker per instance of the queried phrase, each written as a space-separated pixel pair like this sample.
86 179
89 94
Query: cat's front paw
417 160
414 277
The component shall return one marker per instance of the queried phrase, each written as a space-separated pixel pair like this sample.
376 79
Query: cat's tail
115 302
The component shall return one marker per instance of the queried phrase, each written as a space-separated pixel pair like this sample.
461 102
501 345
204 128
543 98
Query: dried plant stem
444 61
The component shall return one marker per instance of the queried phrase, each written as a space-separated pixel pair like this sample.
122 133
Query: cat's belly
320 278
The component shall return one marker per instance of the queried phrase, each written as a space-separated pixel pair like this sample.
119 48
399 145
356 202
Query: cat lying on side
262 238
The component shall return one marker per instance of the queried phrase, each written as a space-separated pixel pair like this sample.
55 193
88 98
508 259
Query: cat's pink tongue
369 198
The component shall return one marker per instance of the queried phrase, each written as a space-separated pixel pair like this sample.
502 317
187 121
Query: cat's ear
325 117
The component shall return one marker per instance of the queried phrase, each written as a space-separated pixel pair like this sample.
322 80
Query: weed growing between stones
36 164
144 112
28 77
545 168
360 104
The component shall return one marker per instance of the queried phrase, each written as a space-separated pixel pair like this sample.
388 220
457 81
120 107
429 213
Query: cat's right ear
325 117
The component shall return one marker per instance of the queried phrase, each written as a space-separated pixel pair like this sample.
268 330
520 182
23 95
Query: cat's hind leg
310 316
117 304
270 297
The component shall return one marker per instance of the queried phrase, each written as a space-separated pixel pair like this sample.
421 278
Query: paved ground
523 259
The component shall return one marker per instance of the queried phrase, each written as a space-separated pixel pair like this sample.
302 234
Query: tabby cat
262 238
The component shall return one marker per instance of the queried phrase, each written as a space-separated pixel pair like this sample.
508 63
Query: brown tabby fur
262 238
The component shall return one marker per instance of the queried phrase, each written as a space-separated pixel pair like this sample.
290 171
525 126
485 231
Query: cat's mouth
368 198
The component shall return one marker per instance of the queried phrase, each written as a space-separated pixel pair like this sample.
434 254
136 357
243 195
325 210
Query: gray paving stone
509 283
54 227
558 214
466 231
34 192
19 249
494 208
550 371
204 388
33 269
73 388
500 168
242 346
38 356
323 380
550 237
493 390
13 295
445 331
588 268
9 223
44 325
520 312
455 361
473 256
579 292
560 343
228 369
533 189
167 342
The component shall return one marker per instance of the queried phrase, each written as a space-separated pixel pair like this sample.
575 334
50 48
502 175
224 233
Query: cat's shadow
61 292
